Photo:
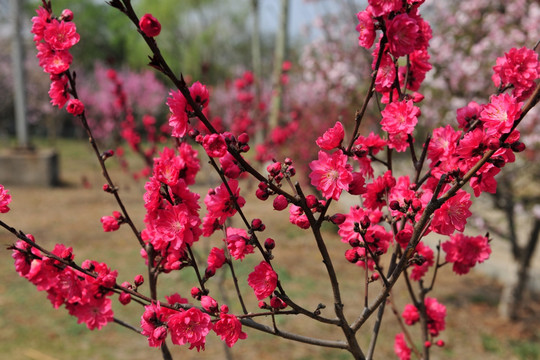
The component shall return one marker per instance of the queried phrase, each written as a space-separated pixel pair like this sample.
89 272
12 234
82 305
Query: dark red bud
518 146
338 219
269 244
139 280
243 138
365 222
394 205
280 203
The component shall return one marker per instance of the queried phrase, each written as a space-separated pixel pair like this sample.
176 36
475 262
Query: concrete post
19 78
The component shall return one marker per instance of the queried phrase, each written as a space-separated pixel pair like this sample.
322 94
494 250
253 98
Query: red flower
216 258
61 35
518 68
5 199
238 243
153 323
110 223
190 326
410 314
383 7
465 251
400 117
58 92
263 280
229 328
453 214
179 118
149 25
95 314
332 138
400 347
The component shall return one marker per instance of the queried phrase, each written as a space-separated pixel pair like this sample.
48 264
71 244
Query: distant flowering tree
383 232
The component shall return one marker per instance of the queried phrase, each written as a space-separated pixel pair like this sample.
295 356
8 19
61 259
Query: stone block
21 167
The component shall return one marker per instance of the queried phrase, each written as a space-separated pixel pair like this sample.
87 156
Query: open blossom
401 349
331 174
154 323
400 117
443 144
366 29
453 214
5 199
216 258
95 313
410 314
384 7
229 328
219 203
52 61
238 243
499 115
215 145
39 23
465 251
263 280
149 25
332 137
518 68
179 119
419 270
402 32
190 326
61 35
436 313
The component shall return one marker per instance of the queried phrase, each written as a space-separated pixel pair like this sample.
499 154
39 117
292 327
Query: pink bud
67 15
124 298
75 107
243 138
196 292
280 202
263 305
416 205
440 343
160 333
312 201
209 304
139 280
261 194
351 255
427 344
117 215
257 225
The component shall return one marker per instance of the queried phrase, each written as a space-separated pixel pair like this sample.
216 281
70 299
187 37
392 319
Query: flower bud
124 298
159 333
149 25
427 344
518 146
209 304
365 222
416 205
269 244
196 293
351 255
224 309
67 15
257 225
262 194
337 219
440 343
312 201
139 280
277 303
394 205
280 202
274 169
243 138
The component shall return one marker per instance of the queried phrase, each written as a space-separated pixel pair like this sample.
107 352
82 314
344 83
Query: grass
32 329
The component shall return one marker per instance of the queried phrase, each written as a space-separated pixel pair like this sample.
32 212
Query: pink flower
386 73
61 35
110 223
436 313
453 214
383 7
332 138
465 251
263 280
216 258
154 323
75 107
229 328
518 68
52 61
366 29
190 326
468 115
149 25
39 23
400 347
215 145
95 314
400 117
376 192
179 119
443 144
58 92
410 314
209 304
331 174
219 203
419 270
402 32
238 243
5 199
499 115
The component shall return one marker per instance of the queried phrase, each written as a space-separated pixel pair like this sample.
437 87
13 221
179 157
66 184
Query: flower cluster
85 295
54 37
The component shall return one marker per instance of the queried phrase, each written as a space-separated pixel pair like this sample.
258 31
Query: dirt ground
32 329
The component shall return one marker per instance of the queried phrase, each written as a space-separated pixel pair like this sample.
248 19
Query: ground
32 329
